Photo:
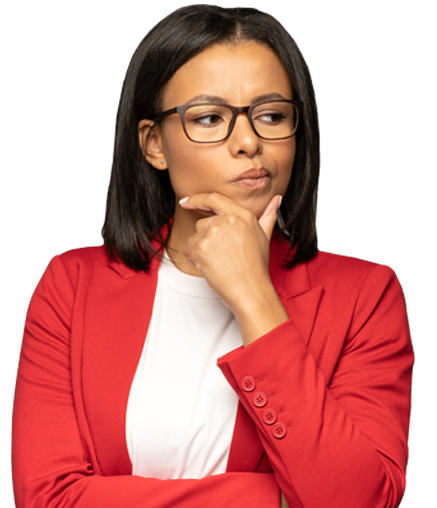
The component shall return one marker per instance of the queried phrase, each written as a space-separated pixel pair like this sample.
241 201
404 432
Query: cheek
177 157
189 167
285 162
193 167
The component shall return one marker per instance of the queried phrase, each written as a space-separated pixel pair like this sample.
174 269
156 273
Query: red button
279 431
248 384
269 417
260 399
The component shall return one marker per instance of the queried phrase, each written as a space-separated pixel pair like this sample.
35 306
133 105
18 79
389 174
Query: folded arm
342 441
53 465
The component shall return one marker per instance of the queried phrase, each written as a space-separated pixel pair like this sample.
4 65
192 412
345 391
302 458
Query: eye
270 117
207 116
207 119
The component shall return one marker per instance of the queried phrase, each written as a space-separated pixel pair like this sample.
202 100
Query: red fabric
336 376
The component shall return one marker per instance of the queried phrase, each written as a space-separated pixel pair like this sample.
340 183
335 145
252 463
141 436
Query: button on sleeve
248 384
269 416
279 431
259 399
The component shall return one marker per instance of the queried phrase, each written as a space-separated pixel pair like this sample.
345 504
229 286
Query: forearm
324 457
220 491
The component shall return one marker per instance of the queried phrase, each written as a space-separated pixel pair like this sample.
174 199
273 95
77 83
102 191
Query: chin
256 205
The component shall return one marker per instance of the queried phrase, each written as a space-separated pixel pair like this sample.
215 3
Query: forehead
237 73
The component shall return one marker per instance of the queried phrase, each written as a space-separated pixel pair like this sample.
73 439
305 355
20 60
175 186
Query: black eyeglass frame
180 110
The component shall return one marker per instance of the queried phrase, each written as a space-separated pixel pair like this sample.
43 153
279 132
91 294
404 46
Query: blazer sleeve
52 464
337 442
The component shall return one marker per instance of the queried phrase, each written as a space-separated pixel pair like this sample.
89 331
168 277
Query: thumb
267 220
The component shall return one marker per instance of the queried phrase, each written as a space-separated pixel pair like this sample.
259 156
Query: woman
211 257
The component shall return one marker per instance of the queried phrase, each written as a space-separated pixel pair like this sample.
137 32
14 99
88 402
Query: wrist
259 314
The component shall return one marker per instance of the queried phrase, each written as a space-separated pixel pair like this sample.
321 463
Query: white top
181 411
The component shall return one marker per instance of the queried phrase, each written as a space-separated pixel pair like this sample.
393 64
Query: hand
231 251
231 233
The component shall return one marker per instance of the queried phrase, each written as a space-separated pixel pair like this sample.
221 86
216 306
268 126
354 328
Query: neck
184 226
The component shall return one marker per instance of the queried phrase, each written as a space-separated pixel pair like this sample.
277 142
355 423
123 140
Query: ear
149 136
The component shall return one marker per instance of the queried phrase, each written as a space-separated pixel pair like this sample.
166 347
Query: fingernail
279 201
183 200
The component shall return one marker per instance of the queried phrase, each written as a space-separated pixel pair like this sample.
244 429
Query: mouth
255 178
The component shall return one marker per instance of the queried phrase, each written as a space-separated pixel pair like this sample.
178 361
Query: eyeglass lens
209 123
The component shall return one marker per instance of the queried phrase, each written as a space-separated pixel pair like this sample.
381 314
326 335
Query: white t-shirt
181 410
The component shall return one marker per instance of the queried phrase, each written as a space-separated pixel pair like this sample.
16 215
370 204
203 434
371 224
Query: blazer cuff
256 374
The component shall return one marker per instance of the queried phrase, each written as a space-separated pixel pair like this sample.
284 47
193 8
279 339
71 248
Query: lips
253 174
254 178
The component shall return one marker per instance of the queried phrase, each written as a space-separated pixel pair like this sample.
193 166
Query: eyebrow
220 100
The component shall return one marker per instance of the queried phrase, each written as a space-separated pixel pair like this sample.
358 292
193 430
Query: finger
206 223
268 218
212 202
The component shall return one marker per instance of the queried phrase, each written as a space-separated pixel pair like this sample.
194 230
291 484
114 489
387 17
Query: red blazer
324 398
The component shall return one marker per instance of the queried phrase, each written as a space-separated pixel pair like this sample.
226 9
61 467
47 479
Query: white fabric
181 411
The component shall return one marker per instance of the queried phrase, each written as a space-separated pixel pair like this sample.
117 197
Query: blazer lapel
300 300
117 314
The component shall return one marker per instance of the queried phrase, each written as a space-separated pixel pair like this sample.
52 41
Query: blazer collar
126 272
288 283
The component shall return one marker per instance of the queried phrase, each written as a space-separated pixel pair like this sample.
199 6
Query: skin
204 181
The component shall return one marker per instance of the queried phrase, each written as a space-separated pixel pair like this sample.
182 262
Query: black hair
141 200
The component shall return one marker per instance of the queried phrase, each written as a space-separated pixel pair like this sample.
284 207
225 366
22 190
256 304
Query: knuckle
231 219
202 246
214 230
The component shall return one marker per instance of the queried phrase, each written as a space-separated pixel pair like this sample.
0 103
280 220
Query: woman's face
239 75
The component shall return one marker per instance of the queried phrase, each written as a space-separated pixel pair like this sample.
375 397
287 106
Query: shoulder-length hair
140 200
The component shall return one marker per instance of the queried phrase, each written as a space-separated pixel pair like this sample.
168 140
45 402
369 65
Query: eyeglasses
213 122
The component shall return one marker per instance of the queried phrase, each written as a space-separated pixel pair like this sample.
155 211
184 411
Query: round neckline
182 283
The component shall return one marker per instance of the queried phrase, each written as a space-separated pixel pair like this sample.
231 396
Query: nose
243 140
